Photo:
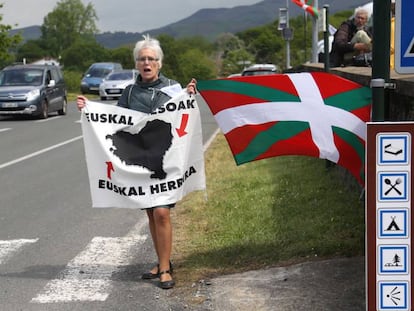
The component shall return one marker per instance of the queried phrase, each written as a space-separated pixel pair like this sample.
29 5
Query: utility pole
287 32
380 58
315 31
325 21
287 40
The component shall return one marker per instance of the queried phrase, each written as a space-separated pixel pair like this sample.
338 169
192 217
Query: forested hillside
210 23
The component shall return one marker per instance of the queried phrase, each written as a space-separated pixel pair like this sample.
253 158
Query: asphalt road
56 252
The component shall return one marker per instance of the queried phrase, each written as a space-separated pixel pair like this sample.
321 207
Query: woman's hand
80 101
192 86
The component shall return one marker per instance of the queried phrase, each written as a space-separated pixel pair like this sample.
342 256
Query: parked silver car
32 90
260 69
115 83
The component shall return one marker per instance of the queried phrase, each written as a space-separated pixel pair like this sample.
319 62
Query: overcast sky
116 15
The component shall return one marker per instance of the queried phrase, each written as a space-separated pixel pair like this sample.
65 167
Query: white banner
138 160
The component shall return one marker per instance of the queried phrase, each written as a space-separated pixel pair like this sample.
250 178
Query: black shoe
167 284
149 275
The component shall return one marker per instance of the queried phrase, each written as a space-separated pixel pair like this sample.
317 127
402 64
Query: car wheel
44 112
64 109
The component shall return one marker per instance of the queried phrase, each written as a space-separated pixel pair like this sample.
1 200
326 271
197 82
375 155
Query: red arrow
109 169
184 121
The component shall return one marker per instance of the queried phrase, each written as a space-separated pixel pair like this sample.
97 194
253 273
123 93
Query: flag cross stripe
311 108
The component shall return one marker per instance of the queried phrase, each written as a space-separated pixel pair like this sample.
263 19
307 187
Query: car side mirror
52 83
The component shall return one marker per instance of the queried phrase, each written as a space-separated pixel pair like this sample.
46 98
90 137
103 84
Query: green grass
270 212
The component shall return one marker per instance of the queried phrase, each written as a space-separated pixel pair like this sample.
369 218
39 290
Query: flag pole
287 41
305 22
325 20
315 30
380 58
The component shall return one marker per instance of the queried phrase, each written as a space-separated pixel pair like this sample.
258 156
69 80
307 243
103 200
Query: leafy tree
263 42
187 58
228 42
196 64
339 17
199 42
267 44
7 43
235 61
69 21
232 53
300 45
171 66
124 56
82 54
32 50
195 58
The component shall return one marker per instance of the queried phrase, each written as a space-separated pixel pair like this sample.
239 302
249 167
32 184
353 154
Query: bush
72 79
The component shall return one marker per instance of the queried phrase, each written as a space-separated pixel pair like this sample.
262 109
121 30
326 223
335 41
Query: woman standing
148 93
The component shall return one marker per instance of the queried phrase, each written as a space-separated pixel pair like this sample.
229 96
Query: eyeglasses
361 17
149 59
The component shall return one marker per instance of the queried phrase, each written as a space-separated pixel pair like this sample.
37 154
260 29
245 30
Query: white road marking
31 155
10 247
210 140
88 276
48 119
5 129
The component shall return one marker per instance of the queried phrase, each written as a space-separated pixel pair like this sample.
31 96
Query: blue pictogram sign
404 36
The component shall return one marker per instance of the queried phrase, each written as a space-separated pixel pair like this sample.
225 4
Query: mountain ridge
209 23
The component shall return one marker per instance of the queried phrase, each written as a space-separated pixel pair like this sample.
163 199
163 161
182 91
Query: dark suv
32 90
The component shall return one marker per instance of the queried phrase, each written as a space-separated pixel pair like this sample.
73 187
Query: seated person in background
351 38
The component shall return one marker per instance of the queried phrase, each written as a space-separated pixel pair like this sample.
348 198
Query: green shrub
72 79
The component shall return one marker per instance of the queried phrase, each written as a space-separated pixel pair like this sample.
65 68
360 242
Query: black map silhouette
146 148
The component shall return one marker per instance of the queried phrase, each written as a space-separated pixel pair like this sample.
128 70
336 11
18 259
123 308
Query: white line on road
5 129
31 155
48 119
9 247
88 276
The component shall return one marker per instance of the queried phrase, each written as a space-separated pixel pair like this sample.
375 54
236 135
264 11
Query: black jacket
341 43
145 97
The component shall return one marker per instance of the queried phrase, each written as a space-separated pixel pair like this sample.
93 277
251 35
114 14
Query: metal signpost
404 36
283 19
287 32
389 216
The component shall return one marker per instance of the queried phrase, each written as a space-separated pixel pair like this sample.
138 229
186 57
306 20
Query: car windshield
120 76
98 72
21 77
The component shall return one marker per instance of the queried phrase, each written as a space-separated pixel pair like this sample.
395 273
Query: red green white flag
314 114
307 5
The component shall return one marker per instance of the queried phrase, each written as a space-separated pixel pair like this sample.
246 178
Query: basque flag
314 114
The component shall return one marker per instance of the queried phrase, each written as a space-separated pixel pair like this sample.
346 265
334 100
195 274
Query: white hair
149 43
361 10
